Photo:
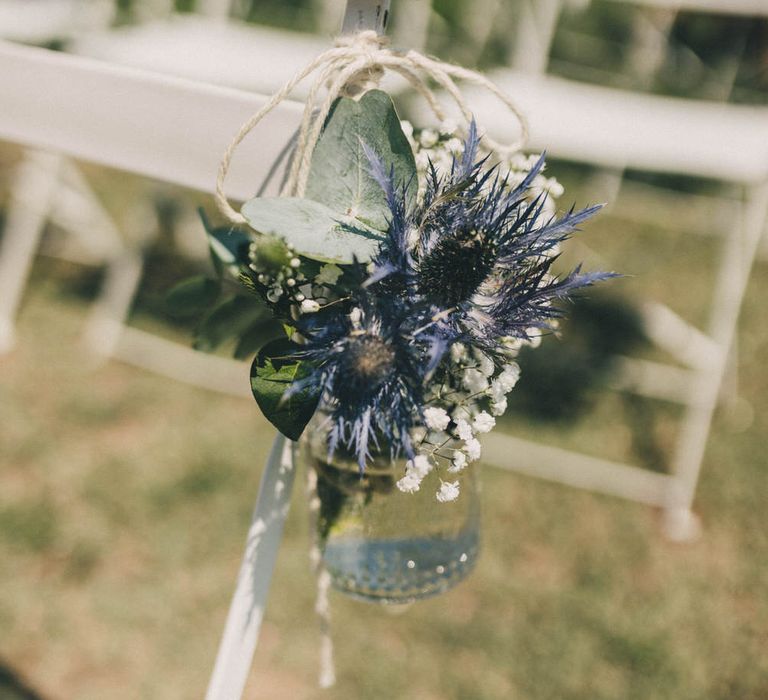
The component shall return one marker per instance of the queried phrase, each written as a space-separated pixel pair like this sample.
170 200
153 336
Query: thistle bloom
477 252
371 363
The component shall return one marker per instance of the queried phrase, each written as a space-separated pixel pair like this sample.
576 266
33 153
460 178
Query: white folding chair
208 48
45 185
616 129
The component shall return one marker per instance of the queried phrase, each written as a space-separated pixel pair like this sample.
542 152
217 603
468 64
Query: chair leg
109 313
738 255
30 201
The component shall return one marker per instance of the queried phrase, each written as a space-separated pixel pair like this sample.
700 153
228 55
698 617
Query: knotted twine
357 63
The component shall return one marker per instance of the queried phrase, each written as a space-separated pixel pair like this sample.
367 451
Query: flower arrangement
393 297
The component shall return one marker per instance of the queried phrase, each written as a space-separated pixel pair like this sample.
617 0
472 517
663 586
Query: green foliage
257 336
340 174
229 246
231 318
271 375
340 188
312 228
192 296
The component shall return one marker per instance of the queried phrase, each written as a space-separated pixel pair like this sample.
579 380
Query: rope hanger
356 64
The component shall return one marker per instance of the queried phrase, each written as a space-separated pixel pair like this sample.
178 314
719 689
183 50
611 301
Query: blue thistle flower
371 361
476 251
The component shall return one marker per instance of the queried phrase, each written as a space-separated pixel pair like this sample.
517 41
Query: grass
124 501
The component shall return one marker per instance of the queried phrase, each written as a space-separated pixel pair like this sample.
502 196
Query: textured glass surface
382 545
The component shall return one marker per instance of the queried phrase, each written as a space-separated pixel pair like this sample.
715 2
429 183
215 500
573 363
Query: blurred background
125 495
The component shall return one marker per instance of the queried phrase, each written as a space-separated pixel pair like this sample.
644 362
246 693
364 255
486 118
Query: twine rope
356 64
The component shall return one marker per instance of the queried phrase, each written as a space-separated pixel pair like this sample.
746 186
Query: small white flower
554 188
410 483
428 138
449 491
295 262
498 408
535 335
329 274
459 352
419 466
436 418
510 345
485 363
454 146
509 376
309 306
464 430
422 160
449 127
474 380
484 422
458 463
473 449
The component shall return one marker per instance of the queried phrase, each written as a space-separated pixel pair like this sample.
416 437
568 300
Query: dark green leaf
272 373
229 245
257 336
340 174
192 296
228 320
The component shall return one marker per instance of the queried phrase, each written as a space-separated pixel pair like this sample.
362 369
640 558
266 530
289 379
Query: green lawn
124 501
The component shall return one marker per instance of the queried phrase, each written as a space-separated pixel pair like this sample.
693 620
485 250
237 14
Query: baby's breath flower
484 422
458 462
420 466
449 127
473 449
509 376
474 380
464 429
410 483
436 418
485 363
499 407
449 491
428 138
309 306
459 352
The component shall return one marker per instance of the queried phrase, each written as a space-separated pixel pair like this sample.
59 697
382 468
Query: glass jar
380 544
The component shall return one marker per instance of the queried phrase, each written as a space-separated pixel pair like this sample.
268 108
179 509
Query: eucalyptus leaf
271 376
192 296
312 228
340 174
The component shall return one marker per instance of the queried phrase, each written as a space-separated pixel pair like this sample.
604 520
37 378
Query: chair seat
38 21
226 53
618 129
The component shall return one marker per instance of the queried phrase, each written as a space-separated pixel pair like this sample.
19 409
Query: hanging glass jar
380 544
